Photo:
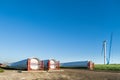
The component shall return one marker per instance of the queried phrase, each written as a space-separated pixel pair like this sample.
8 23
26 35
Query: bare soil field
67 74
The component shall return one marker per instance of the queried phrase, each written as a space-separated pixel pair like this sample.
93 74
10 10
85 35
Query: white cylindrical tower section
27 64
78 64
34 64
51 64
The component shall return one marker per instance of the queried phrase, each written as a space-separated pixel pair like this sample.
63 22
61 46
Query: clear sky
67 30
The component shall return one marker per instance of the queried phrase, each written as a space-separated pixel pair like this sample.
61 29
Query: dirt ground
67 74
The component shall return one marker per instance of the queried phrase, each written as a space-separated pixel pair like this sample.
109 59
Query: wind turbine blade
110 47
102 49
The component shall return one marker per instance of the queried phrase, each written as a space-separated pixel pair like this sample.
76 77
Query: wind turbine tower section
104 46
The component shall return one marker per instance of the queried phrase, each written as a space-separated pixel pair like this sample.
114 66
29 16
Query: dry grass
67 74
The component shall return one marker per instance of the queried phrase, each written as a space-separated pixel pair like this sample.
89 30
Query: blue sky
67 30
